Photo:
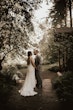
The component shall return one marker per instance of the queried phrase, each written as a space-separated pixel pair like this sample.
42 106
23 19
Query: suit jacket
38 62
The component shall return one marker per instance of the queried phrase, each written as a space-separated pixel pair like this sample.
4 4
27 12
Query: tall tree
70 10
15 25
59 12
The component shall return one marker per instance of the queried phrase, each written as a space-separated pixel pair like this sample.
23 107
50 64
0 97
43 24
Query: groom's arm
38 60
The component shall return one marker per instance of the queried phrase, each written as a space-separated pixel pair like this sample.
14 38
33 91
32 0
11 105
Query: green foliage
59 12
64 42
64 87
70 63
16 26
53 55
6 86
9 71
13 21
49 46
12 71
54 69
19 66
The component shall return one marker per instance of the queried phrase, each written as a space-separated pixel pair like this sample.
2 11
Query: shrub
64 86
12 73
54 69
21 66
6 87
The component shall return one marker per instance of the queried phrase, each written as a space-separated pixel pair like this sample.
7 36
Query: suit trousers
38 78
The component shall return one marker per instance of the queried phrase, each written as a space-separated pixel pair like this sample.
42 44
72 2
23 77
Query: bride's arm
32 62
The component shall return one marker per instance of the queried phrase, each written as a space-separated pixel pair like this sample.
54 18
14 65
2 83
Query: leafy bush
11 72
64 86
70 63
19 66
53 59
54 69
6 86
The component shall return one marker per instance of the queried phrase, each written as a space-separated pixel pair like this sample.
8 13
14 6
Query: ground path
46 98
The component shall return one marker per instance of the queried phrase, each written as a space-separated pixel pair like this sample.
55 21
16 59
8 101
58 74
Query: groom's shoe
37 85
40 87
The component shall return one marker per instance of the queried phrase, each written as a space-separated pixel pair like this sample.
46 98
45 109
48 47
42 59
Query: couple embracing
32 79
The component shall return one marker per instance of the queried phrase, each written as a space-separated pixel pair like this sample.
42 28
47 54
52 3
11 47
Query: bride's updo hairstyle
28 60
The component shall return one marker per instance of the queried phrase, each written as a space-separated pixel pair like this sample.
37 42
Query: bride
30 81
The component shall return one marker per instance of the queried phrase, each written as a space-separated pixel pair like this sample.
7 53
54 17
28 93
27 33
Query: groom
37 69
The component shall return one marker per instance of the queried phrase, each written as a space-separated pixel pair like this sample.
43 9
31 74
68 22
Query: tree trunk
1 63
70 10
66 56
65 18
3 59
63 60
65 22
59 60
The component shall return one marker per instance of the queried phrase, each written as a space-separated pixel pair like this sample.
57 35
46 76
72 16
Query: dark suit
37 71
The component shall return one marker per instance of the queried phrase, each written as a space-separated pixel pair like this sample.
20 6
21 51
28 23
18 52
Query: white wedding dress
29 83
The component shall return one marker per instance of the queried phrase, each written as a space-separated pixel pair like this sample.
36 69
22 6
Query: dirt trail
46 98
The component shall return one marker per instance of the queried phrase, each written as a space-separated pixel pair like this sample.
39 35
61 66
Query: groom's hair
37 51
